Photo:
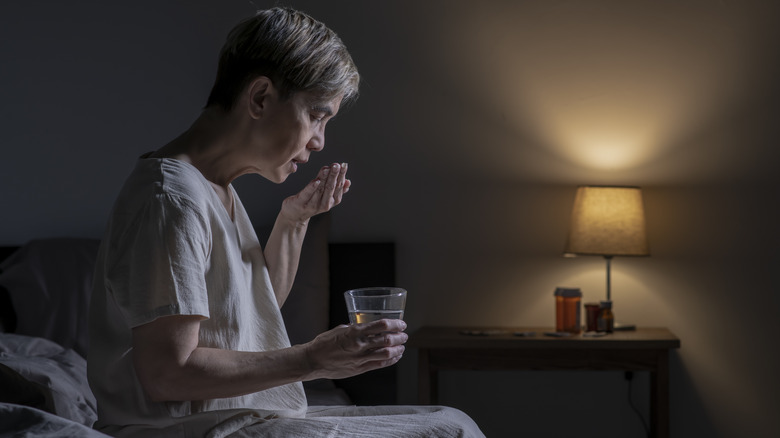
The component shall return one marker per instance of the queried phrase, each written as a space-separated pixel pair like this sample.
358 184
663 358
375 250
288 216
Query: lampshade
607 221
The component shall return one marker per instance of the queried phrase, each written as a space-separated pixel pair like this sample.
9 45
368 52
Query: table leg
659 397
433 376
424 377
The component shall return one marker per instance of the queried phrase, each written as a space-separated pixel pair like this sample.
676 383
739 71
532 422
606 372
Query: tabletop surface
538 337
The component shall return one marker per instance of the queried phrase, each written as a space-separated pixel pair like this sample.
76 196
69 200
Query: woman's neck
212 145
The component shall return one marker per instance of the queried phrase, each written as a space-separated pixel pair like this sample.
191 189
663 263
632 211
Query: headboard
5 251
7 314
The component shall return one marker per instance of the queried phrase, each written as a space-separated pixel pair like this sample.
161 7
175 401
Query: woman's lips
295 164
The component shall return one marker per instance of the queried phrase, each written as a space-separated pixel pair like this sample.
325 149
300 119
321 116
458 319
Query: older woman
186 332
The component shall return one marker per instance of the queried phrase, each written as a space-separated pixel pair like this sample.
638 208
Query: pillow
38 373
49 282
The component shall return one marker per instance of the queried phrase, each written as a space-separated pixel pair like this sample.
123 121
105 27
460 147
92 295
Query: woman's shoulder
164 184
168 176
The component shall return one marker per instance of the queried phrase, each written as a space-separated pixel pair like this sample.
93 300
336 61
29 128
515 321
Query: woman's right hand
348 350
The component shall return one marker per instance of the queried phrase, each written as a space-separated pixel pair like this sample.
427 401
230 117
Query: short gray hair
295 51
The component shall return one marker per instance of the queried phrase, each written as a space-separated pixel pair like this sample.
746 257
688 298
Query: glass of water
375 303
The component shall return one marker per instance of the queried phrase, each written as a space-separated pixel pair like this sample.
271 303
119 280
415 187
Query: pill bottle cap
568 292
606 304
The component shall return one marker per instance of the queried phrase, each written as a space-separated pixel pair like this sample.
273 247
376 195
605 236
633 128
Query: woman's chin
280 177
275 177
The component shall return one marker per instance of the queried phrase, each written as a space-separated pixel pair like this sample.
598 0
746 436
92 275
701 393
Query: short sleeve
157 266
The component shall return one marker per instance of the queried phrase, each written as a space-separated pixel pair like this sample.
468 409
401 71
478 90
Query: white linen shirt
171 248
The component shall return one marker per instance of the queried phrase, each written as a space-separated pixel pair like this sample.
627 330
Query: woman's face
292 129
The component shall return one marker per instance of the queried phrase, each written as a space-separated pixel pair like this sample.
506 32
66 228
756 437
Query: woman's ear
258 91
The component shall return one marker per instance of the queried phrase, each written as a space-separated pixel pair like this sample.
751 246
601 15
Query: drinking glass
375 303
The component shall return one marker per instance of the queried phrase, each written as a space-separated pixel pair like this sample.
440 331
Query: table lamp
607 221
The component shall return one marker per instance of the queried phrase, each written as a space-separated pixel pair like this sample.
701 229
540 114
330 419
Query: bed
44 296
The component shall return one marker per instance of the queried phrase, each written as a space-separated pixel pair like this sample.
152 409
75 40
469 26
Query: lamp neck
609 285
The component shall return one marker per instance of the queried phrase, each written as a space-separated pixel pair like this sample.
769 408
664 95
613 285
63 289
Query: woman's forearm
210 373
283 250
172 367
282 254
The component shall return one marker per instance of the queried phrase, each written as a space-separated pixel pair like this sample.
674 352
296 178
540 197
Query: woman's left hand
319 196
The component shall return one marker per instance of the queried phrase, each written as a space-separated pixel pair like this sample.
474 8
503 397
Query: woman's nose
316 142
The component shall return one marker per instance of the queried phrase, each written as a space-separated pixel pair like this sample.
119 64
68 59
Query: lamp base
622 327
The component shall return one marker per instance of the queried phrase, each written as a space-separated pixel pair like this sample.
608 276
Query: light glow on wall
602 86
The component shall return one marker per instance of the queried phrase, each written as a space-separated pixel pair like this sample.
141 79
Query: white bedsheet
320 422
366 421
24 421
54 400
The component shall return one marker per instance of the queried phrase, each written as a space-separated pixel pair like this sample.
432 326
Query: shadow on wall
688 416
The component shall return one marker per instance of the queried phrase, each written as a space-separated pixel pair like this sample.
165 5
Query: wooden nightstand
501 348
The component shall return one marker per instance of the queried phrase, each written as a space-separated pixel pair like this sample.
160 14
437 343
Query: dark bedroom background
476 123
